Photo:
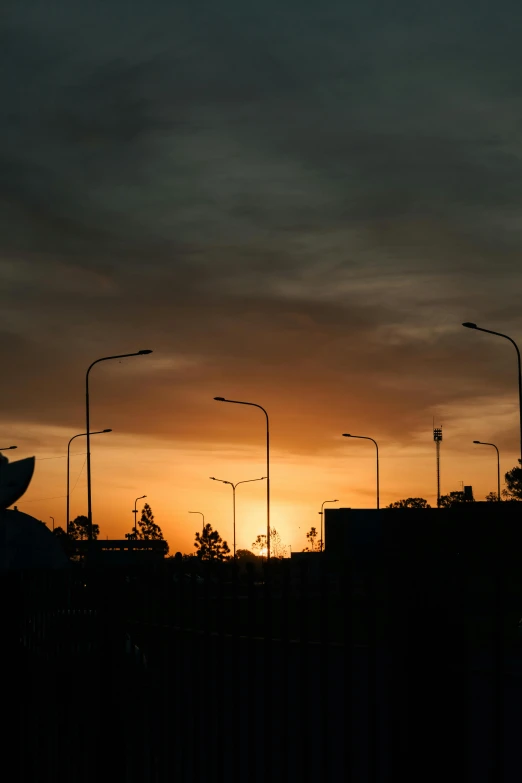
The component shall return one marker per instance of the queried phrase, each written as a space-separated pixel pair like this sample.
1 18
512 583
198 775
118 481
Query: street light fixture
365 437
470 325
80 435
135 512
87 428
247 481
202 514
255 405
321 512
483 443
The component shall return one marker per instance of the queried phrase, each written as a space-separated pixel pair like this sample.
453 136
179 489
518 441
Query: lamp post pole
135 512
88 428
483 443
80 435
321 512
255 405
247 481
470 325
365 437
202 514
53 522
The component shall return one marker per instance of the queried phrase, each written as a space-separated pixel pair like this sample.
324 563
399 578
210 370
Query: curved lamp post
80 435
255 405
321 512
135 512
87 428
247 481
202 514
470 325
483 443
365 437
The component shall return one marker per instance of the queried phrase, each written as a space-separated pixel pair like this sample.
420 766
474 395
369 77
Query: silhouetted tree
410 503
513 479
277 548
79 529
210 545
453 499
65 541
492 497
311 536
246 556
259 545
147 529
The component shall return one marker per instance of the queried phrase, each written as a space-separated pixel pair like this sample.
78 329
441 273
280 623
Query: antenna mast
437 437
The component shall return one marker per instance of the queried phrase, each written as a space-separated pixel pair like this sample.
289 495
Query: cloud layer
296 205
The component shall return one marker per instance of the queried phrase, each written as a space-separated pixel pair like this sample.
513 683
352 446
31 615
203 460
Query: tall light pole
88 428
470 325
202 514
80 435
247 481
255 405
483 443
321 512
135 512
365 437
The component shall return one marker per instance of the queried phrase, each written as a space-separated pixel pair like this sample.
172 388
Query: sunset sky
294 204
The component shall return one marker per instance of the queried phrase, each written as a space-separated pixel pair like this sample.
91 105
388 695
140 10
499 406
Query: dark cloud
295 204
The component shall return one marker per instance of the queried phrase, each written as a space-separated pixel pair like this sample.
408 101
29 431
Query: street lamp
80 435
470 325
247 481
255 405
321 512
136 516
202 514
87 428
365 437
483 443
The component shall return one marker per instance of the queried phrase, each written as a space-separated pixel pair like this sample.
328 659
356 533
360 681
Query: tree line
211 546
146 530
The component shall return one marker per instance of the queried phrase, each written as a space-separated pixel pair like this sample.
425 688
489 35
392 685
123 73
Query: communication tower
437 437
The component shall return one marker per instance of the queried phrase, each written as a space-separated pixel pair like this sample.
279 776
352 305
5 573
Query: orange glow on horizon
176 479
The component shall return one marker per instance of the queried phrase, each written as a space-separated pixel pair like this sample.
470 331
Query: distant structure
121 552
27 544
15 477
437 437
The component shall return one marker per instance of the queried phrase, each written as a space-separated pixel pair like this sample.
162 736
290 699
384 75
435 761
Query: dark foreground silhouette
397 657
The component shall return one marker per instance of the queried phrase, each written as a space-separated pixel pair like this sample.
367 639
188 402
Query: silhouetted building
464 527
26 543
121 552
468 494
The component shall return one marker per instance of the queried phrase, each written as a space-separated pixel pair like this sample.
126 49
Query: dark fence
159 675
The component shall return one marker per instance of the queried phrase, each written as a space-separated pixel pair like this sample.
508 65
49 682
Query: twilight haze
295 205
